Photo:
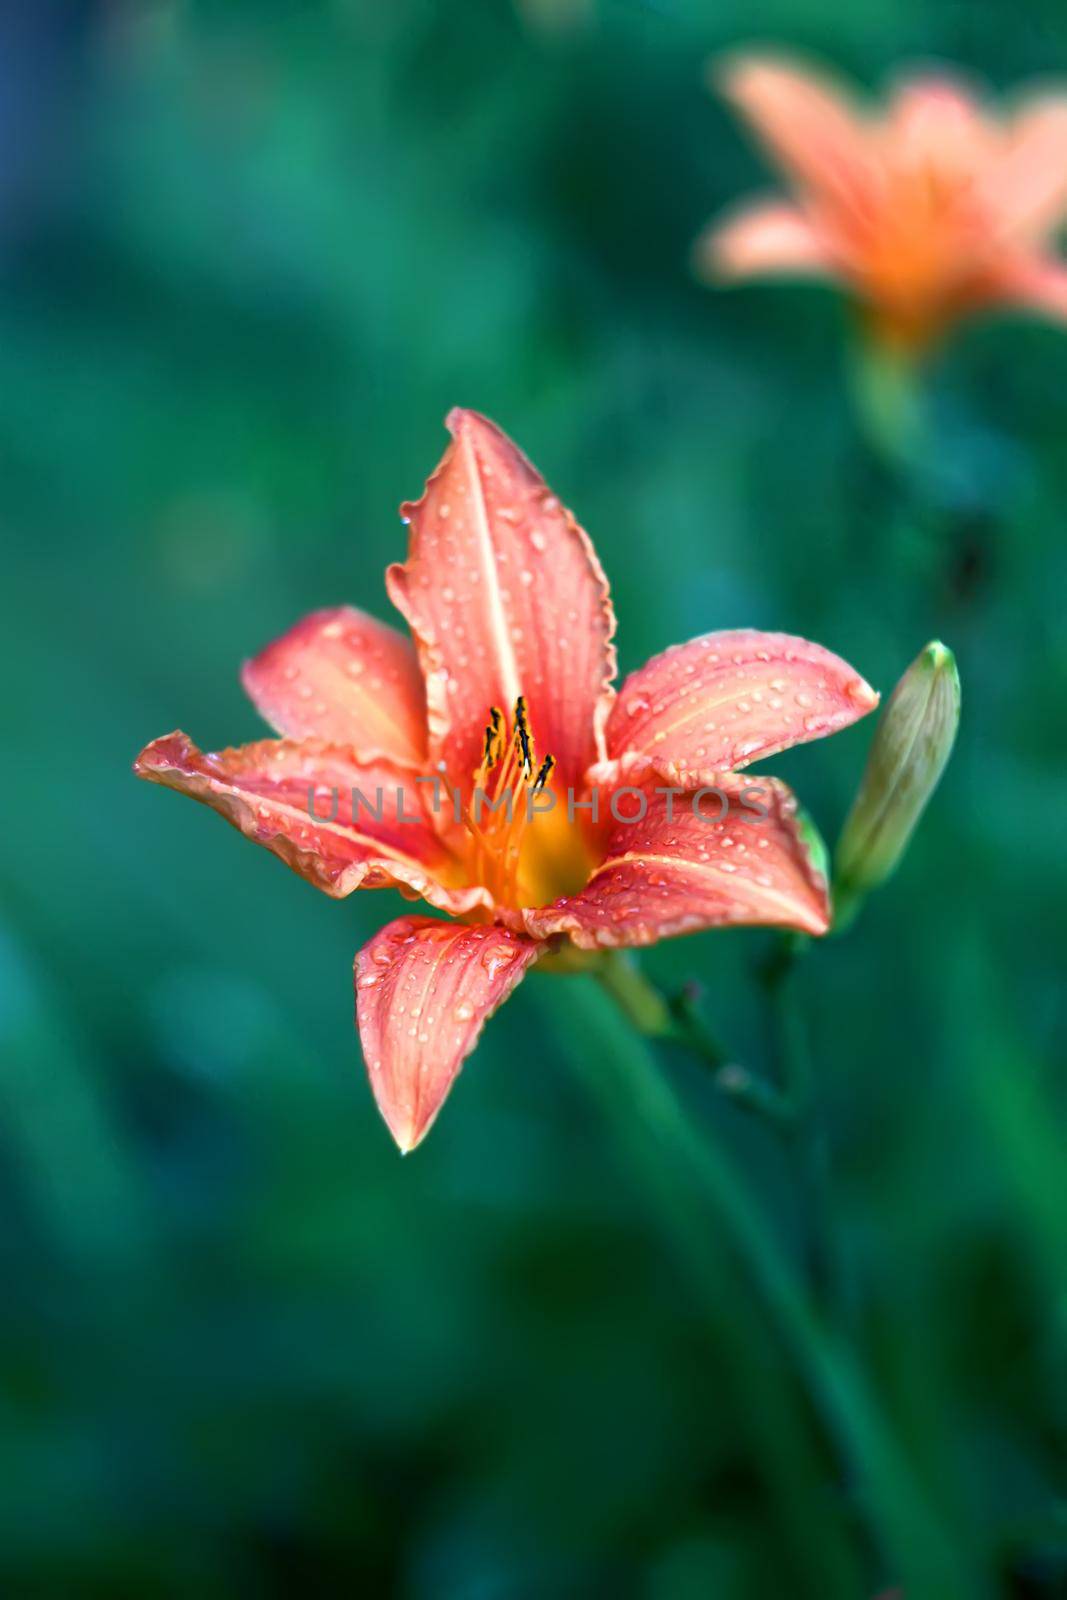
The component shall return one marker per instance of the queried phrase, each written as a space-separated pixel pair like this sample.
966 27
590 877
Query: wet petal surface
505 596
339 824
343 676
726 699
424 991
715 858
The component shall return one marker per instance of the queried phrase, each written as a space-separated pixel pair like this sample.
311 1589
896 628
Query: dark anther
522 733
491 753
545 773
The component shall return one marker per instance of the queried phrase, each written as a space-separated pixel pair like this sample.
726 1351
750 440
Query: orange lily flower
484 768
929 212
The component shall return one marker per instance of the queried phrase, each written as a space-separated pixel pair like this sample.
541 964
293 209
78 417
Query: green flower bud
912 743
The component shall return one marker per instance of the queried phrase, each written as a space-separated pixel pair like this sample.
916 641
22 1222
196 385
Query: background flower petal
808 126
505 596
424 991
763 239
1035 282
1026 190
726 699
673 874
934 125
343 676
267 789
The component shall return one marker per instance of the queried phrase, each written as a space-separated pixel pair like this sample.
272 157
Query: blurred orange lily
933 210
483 768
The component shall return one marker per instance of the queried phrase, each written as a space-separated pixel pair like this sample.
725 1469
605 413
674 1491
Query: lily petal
1026 190
936 125
670 874
424 991
505 596
764 239
297 800
1035 282
724 700
343 676
807 125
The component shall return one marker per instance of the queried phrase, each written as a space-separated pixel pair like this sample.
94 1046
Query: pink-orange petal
343 676
763 239
727 699
424 991
1035 282
505 596
808 126
937 128
672 874
297 799
1025 191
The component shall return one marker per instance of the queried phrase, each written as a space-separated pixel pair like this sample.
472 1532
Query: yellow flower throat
504 804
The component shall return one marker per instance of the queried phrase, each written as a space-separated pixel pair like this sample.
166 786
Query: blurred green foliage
250 253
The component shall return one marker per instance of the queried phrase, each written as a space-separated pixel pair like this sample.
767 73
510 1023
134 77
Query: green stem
634 1091
886 389
639 1000
807 1134
679 1022
847 903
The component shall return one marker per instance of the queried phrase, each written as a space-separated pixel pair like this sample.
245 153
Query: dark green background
250 254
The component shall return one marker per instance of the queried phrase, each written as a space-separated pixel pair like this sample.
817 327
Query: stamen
522 734
492 738
545 773
496 838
